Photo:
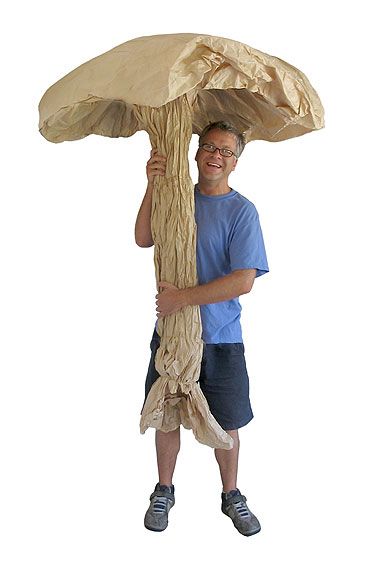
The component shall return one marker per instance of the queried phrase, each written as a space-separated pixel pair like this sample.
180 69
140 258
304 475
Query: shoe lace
242 509
159 504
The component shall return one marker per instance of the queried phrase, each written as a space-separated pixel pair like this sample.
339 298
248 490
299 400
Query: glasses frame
214 148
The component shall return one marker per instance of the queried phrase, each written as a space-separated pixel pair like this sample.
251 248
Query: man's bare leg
162 499
234 505
167 449
228 463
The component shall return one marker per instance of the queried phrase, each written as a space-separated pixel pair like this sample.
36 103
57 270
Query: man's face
213 167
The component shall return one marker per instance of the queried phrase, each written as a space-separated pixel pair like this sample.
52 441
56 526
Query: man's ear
195 157
235 163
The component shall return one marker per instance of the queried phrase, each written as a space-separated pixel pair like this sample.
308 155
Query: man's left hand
169 300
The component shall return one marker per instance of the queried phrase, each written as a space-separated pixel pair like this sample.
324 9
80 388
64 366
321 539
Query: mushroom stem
176 397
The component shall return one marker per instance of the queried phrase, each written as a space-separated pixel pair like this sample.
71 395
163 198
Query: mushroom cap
263 96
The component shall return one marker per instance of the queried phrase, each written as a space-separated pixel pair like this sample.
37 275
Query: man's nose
216 152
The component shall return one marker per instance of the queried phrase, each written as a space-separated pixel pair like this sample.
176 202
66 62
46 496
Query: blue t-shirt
229 237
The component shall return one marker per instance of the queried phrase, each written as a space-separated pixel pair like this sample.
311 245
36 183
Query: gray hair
226 127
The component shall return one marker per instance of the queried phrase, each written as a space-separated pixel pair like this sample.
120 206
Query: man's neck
213 188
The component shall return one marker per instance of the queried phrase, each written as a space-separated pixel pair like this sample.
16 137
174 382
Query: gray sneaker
162 499
234 505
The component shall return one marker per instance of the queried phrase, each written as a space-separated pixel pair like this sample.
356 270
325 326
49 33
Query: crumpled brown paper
171 86
176 397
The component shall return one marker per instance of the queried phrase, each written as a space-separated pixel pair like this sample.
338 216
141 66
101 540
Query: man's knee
170 440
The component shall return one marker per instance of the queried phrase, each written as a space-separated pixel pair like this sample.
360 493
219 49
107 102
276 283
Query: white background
77 312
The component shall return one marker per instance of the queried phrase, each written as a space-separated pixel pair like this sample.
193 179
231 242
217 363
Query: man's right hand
156 166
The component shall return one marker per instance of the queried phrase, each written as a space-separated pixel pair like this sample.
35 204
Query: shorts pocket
224 360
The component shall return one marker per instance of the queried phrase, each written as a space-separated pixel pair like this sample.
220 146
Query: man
230 255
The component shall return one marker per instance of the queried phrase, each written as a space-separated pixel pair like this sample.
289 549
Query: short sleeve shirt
229 237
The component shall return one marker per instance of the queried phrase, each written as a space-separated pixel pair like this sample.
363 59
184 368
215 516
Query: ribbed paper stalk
176 397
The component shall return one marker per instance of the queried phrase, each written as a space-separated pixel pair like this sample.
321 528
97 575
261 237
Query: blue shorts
223 380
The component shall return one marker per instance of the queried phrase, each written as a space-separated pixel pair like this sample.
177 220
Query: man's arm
142 232
156 166
171 299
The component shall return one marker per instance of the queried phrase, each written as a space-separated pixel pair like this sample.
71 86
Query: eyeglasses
223 151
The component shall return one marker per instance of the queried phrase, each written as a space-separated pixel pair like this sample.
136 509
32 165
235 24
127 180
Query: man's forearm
143 234
171 299
225 288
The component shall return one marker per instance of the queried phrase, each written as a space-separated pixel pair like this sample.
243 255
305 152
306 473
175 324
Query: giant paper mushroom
173 85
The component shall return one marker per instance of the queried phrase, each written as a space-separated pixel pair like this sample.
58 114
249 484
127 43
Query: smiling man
230 255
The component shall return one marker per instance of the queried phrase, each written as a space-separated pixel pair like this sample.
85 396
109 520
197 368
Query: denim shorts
223 380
